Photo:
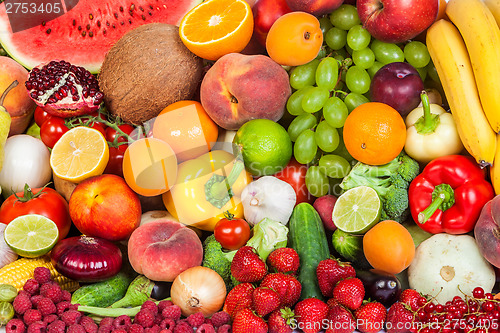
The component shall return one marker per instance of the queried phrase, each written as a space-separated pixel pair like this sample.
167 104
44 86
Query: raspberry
52 291
31 286
153 329
165 331
163 304
183 327
88 324
63 306
106 321
226 328
144 318
15 326
122 321
34 300
57 326
46 306
172 312
136 328
119 330
42 275
22 303
151 306
31 315
75 328
108 328
220 318
71 317
66 296
167 323
37 327
50 318
196 319
205 328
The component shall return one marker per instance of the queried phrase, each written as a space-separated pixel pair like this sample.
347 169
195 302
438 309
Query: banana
450 57
481 35
495 169
494 6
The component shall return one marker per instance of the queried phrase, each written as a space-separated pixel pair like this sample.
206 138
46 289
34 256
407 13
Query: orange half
217 27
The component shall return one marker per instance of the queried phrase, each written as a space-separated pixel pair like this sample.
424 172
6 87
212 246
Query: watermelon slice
84 31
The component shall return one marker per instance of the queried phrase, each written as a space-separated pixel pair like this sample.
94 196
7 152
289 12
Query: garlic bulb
6 254
268 197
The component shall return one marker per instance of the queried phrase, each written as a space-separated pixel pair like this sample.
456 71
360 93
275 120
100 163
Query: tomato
41 116
232 233
294 174
51 130
112 134
43 201
95 124
115 162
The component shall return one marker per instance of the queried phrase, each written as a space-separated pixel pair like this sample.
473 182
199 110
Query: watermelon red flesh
84 34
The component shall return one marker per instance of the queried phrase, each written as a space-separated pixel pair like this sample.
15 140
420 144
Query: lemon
265 146
31 235
357 210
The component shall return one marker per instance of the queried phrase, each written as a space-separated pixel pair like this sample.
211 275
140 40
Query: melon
85 32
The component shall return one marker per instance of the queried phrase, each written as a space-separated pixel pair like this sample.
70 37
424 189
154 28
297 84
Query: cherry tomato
95 125
111 134
115 162
294 174
232 233
51 130
43 201
41 116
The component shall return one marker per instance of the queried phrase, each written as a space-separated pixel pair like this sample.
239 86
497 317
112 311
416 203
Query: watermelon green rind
65 41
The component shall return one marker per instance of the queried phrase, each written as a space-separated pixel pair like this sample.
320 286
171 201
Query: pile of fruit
250 166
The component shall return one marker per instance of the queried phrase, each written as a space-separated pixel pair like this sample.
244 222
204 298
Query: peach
239 88
315 7
162 249
17 102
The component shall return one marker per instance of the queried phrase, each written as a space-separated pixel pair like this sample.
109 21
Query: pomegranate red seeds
63 89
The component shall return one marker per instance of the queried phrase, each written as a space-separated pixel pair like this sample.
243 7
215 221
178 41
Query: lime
357 210
31 235
265 146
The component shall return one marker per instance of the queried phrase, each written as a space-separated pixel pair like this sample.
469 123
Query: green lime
265 146
31 235
357 210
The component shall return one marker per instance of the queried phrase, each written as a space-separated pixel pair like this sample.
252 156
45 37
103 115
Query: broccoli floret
215 258
390 181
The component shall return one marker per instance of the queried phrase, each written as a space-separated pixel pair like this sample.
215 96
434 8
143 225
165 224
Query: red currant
478 292
488 306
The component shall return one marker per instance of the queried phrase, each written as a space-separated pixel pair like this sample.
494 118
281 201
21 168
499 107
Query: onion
198 289
86 259
6 254
268 197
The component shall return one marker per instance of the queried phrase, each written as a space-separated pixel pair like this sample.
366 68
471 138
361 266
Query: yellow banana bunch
451 59
481 35
494 6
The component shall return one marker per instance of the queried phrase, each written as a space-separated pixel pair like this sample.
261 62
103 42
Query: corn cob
19 271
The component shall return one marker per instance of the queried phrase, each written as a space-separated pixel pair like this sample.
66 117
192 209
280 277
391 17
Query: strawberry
265 301
310 314
399 319
247 266
340 320
240 297
331 271
283 260
287 287
349 292
331 302
248 322
279 321
370 317
410 297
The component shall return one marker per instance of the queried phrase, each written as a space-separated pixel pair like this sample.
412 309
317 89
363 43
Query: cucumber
104 293
307 237
350 248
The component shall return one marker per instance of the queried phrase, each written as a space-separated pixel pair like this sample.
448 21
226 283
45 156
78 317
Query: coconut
146 70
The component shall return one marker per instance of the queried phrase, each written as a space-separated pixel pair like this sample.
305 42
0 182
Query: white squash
444 263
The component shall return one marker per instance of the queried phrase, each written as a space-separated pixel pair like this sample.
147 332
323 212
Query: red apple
265 12
315 7
396 21
105 206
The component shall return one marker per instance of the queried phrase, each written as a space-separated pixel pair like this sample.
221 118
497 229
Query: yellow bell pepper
206 188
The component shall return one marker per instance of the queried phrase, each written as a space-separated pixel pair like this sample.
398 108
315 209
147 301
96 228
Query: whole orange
294 39
374 133
388 246
187 128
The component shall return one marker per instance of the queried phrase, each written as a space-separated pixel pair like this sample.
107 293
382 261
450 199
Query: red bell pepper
448 195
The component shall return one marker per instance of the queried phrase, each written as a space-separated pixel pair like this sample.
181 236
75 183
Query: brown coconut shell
146 70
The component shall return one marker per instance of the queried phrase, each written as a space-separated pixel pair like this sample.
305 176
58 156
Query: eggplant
380 286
